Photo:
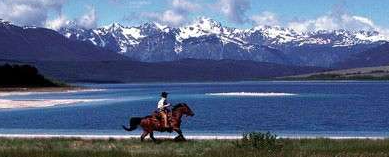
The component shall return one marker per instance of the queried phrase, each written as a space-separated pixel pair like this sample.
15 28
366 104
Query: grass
207 148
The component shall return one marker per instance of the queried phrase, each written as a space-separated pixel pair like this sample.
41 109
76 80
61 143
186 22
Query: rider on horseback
163 109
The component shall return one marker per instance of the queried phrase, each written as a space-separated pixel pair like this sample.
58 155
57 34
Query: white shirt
162 103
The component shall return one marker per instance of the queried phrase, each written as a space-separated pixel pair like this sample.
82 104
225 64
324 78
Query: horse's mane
178 106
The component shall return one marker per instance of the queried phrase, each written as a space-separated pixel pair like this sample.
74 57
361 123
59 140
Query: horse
151 123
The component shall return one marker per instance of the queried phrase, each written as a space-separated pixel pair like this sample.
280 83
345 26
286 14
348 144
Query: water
319 108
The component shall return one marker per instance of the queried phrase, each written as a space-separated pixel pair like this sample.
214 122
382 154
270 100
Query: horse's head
184 109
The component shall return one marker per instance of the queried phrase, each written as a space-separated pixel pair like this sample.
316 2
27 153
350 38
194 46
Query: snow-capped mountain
208 39
34 44
76 61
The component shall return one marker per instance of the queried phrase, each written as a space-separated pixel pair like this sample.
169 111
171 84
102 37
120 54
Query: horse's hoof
179 139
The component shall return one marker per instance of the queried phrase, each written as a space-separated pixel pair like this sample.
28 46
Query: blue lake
312 108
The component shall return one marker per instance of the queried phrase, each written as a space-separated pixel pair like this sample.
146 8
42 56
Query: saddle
157 116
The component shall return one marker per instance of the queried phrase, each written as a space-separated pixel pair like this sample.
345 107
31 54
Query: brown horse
153 123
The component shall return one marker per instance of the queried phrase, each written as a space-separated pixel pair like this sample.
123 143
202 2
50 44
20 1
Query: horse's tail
134 122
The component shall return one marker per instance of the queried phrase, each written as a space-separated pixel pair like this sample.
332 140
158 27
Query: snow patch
133 32
201 27
178 48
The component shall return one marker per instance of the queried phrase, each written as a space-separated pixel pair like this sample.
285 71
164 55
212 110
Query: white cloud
35 13
325 23
364 20
176 15
183 5
169 17
57 23
88 20
234 10
29 12
301 26
336 19
334 22
55 4
172 17
265 19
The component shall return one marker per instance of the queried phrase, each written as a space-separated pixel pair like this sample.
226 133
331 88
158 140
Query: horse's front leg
180 135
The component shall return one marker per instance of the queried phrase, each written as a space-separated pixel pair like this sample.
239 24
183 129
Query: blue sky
109 11
298 14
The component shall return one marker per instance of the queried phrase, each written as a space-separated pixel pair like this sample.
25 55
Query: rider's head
164 94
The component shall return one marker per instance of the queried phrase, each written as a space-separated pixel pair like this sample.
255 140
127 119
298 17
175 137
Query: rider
162 108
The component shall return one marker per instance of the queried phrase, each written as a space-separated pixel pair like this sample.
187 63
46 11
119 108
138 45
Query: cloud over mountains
36 13
176 15
29 12
48 13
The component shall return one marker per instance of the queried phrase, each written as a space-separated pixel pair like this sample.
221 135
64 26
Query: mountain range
208 39
40 44
56 56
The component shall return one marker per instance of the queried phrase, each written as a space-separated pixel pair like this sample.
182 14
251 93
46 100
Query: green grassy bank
207 148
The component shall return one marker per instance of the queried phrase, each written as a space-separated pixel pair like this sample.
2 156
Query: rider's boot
169 128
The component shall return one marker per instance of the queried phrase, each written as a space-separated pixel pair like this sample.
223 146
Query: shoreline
189 137
229 82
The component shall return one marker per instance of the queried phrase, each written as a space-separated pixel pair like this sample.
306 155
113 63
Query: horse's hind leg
152 137
142 137
180 135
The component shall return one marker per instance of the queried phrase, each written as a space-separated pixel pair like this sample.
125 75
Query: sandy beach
12 104
38 103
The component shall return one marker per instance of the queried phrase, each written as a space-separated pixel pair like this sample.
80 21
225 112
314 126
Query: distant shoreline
336 77
380 73
40 89
234 81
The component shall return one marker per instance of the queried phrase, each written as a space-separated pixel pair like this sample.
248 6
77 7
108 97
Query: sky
301 15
